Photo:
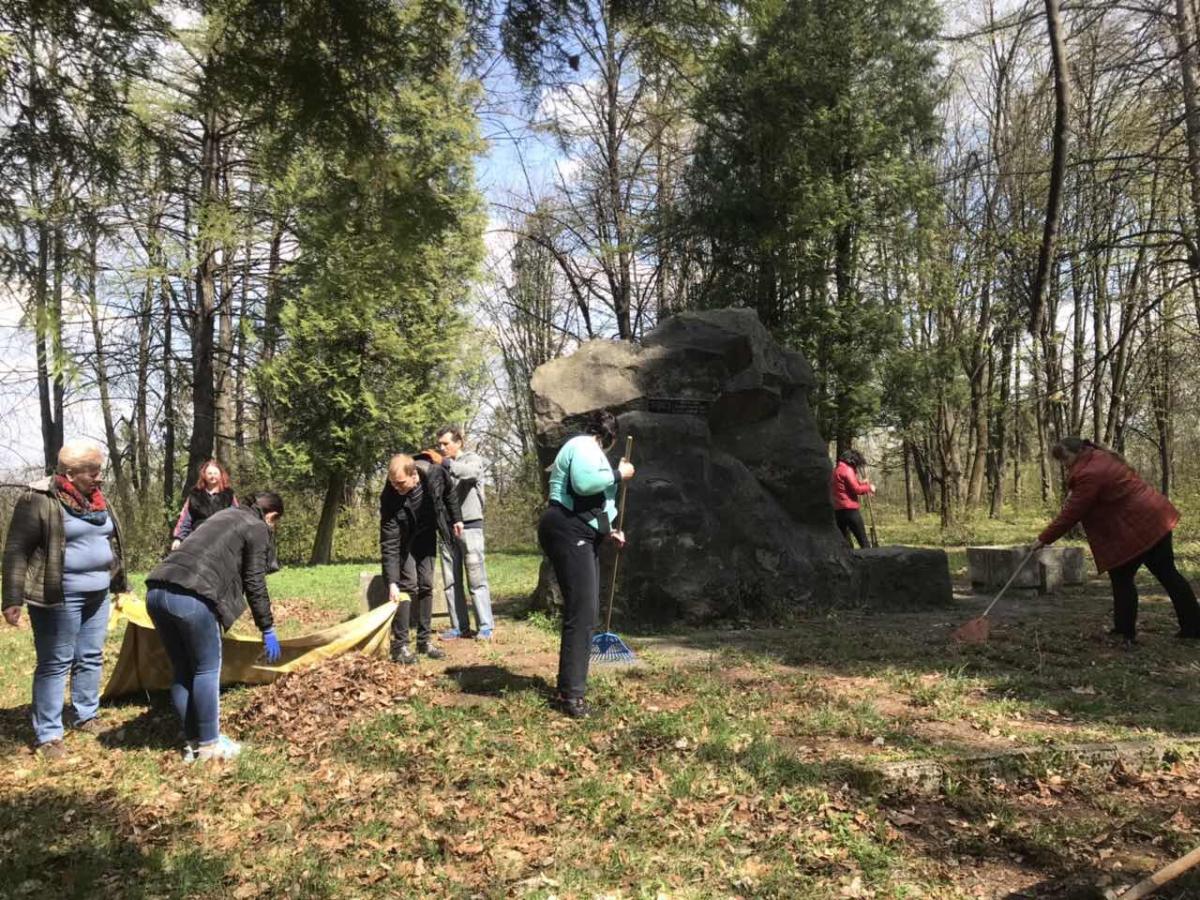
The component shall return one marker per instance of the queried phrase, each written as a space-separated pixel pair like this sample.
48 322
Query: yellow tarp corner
143 664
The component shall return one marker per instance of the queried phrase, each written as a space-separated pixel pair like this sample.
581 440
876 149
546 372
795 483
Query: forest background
301 236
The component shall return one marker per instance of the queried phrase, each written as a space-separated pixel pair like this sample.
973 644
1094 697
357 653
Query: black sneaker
573 707
403 655
431 652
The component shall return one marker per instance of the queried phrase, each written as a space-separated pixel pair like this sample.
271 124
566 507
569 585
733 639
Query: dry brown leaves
312 707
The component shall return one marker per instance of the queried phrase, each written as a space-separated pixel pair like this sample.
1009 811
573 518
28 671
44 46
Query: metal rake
608 647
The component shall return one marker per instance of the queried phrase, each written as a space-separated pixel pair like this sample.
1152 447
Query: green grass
727 764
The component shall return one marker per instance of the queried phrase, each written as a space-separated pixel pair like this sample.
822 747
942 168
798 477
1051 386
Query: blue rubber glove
271 643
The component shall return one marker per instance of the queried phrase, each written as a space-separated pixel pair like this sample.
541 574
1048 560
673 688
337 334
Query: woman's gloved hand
271 643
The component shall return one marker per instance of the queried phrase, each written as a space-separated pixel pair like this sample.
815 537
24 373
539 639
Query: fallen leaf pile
312 706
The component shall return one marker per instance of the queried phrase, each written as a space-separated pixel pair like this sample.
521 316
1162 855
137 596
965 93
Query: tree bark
168 380
335 492
1185 36
124 494
47 345
1058 167
204 409
271 332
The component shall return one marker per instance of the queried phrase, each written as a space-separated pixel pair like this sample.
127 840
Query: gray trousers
462 569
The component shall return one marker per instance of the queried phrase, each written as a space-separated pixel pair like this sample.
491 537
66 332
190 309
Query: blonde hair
77 455
401 465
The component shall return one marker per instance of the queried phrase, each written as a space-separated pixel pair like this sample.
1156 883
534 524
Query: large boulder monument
730 515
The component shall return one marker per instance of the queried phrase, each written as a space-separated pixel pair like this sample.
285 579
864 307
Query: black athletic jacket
398 518
230 556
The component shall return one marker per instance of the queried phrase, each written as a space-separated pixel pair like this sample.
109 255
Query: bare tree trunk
168 379
140 460
908 492
335 492
271 333
48 346
1185 36
124 494
1017 431
1058 167
999 435
622 286
223 368
204 408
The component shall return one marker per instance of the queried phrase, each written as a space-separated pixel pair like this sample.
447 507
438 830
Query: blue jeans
191 635
68 638
465 557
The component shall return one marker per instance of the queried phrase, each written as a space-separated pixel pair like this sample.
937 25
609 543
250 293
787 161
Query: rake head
608 648
972 632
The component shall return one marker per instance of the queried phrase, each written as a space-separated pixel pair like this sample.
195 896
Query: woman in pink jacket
846 490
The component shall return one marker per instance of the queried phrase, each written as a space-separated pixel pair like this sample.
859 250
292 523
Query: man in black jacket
415 505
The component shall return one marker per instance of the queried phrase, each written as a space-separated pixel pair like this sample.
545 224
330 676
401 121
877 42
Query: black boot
431 652
574 707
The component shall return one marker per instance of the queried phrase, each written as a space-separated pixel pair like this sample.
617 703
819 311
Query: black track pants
573 548
850 522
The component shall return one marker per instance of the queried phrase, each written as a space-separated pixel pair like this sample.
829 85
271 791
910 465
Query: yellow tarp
143 663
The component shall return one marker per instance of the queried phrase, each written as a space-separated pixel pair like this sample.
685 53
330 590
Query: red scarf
72 497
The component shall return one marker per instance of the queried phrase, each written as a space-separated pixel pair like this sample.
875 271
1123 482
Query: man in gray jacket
466 553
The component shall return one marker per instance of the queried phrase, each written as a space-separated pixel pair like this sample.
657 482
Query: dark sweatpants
1160 560
416 580
850 521
573 548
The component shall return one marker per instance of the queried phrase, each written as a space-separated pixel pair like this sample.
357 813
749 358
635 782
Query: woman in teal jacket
583 490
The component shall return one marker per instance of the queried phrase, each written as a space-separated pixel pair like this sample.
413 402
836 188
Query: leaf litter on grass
314 706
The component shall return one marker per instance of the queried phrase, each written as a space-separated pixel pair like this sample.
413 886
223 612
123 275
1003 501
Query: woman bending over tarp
195 594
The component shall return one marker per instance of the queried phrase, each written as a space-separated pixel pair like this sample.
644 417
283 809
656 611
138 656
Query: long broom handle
612 588
1011 579
1162 876
871 513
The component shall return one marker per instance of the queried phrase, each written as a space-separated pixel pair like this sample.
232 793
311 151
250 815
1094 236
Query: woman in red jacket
846 491
1128 525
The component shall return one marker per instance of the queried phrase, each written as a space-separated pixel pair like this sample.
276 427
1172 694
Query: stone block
1047 572
372 592
1060 565
991 567
903 578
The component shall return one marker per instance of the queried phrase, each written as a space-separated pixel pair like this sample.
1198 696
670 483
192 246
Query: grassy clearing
730 763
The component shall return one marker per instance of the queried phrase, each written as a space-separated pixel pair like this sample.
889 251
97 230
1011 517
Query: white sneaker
222 748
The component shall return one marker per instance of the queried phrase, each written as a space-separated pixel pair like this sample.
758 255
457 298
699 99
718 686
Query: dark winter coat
398 517
36 545
199 505
228 557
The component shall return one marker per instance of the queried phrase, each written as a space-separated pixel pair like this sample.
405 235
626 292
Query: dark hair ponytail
852 458
267 502
603 425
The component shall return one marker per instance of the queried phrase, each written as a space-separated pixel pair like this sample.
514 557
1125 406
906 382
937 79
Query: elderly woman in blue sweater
583 490
62 556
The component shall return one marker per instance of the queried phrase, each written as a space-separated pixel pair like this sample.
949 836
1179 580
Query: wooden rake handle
612 587
1011 579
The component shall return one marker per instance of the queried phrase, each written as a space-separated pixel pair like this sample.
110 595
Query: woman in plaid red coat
1128 525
